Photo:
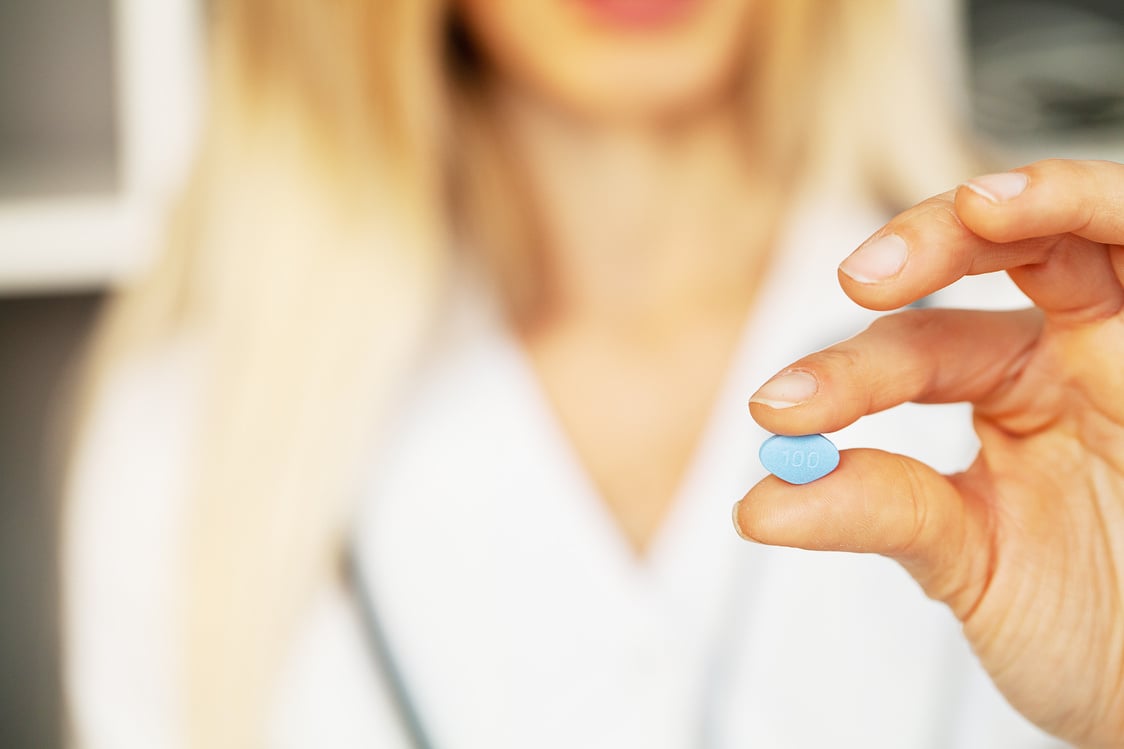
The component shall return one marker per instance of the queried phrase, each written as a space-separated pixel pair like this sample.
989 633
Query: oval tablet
799 460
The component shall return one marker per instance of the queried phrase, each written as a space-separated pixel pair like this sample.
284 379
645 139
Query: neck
642 222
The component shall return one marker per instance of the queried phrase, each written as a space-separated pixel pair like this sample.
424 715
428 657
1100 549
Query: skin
1026 546
567 57
627 139
630 144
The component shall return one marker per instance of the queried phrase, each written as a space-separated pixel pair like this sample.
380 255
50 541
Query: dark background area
58 136
40 338
58 129
1046 77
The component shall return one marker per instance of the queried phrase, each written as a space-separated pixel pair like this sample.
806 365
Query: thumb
881 503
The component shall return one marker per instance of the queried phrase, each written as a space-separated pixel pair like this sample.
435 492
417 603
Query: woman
522 450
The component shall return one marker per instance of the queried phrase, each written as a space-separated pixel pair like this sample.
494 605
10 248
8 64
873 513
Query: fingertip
809 418
769 512
871 273
763 414
880 297
998 207
736 518
833 405
780 404
790 388
998 188
877 260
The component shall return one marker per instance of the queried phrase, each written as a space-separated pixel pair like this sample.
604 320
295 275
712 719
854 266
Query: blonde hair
308 252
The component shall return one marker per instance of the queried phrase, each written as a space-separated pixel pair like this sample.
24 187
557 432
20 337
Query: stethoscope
382 657
722 655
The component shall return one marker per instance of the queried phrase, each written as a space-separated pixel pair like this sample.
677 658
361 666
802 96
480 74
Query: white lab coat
515 613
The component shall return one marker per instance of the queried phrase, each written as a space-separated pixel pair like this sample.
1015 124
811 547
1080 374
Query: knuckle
1103 165
837 361
1083 170
914 542
1052 164
841 369
917 333
849 369
943 214
1053 168
934 216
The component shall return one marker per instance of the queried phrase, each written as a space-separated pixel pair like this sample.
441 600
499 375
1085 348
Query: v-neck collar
791 289
499 569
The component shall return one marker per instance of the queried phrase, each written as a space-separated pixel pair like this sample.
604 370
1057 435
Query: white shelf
62 245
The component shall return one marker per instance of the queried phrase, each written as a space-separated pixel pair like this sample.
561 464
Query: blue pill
799 460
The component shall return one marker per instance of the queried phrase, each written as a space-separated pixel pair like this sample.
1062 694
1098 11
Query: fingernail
737 526
786 390
998 187
877 260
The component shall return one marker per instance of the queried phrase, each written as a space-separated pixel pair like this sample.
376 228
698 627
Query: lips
637 13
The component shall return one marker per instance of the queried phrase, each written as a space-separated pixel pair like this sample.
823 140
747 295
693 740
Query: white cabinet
99 106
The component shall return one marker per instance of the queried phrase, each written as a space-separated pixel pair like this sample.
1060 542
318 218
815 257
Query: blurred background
99 105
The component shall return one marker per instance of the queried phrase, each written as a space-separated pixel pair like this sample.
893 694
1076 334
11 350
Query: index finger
1046 224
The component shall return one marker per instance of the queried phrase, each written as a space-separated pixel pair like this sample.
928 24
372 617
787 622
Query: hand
1027 545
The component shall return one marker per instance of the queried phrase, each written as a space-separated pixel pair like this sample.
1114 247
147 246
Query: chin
616 59
637 80
624 101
